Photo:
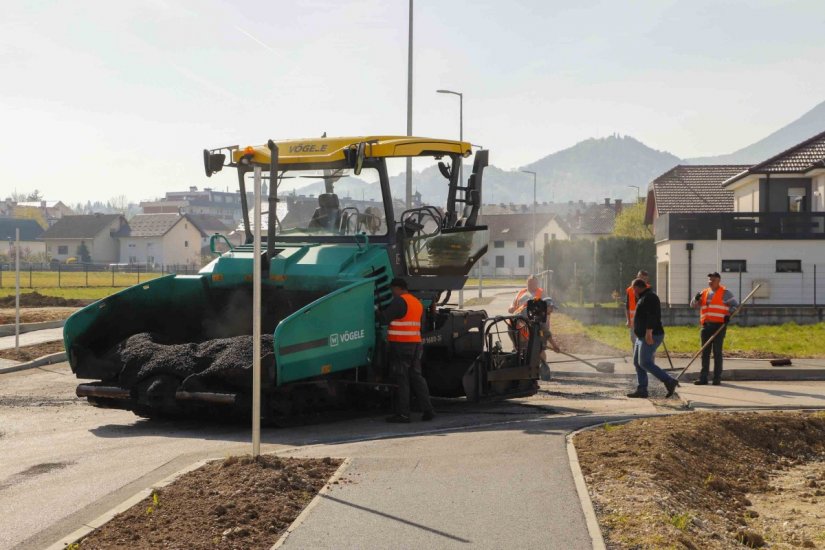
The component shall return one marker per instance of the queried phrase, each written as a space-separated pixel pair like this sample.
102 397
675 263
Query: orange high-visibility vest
520 295
716 310
631 302
407 328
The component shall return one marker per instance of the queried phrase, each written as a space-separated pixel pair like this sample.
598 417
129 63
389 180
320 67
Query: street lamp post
533 257
460 160
408 194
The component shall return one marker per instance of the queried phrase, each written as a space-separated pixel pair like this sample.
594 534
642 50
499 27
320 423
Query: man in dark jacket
647 326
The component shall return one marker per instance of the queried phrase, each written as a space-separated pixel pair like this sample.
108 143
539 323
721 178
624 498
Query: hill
809 124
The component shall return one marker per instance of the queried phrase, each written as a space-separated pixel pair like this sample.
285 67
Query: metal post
409 103
138 273
740 284
16 289
533 239
86 266
718 250
31 267
113 276
58 275
480 262
814 285
256 319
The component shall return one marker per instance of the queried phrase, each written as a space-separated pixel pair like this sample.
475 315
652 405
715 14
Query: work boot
638 394
700 382
427 416
398 419
671 386
716 382
544 372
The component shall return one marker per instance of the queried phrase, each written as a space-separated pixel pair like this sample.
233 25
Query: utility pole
461 164
409 103
533 240
256 318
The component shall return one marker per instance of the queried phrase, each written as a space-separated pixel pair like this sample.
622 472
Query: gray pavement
34 337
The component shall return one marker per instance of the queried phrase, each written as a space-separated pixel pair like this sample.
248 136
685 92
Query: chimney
607 202
192 188
618 207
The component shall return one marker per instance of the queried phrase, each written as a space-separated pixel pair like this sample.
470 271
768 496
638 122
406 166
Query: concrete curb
8 330
312 503
50 359
109 514
593 528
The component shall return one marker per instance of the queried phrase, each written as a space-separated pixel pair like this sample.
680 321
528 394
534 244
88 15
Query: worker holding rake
647 326
716 304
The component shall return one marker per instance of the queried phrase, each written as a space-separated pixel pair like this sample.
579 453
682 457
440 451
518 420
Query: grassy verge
790 339
37 280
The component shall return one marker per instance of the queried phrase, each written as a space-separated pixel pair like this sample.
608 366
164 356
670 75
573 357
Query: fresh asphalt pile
200 365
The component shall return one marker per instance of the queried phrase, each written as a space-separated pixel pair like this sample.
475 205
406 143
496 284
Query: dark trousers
707 331
405 362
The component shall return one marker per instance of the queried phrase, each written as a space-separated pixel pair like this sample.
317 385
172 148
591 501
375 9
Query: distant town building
223 205
50 210
96 232
30 233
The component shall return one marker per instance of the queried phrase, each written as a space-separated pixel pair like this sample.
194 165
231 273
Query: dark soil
684 480
235 503
35 299
35 314
29 353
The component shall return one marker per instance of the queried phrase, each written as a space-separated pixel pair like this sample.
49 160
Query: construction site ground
489 475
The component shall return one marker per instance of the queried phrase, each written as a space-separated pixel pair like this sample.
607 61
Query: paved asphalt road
494 476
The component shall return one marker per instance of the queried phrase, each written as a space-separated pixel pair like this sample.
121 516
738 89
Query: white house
161 239
761 224
510 250
30 233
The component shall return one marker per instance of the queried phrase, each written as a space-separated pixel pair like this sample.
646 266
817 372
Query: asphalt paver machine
181 344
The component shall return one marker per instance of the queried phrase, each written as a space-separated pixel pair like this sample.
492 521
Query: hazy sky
105 98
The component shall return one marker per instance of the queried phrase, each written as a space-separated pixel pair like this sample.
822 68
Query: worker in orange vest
715 304
534 292
404 314
630 303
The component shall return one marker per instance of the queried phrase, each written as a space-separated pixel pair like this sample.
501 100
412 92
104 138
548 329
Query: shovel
602 366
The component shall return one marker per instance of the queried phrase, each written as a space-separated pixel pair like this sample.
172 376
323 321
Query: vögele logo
333 340
346 336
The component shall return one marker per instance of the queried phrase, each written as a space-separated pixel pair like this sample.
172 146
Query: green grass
789 339
91 293
37 280
680 521
512 281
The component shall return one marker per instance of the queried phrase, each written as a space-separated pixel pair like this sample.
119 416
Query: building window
499 261
521 261
186 244
498 244
789 266
519 244
150 259
63 249
552 236
796 199
735 266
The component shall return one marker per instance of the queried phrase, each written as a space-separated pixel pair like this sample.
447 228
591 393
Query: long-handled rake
602 366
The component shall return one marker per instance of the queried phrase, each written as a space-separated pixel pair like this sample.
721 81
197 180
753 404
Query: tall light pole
638 193
460 160
533 257
409 103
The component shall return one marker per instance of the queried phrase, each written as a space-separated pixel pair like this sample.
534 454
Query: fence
783 283
80 275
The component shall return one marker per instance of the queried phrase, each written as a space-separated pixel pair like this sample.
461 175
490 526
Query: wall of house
104 248
26 248
510 253
746 198
804 288
180 245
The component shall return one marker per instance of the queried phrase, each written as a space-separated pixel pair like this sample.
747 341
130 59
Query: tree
631 223
119 204
83 253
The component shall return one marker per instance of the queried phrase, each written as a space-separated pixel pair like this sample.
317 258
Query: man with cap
404 314
715 304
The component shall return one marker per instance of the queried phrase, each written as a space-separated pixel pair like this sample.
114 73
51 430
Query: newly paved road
499 471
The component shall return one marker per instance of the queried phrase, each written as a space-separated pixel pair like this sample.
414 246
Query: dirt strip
236 503
708 480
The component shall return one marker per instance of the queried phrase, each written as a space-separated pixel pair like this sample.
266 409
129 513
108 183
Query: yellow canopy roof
331 149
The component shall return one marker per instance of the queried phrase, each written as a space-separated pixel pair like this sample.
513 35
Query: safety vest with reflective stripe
716 310
407 328
631 302
519 305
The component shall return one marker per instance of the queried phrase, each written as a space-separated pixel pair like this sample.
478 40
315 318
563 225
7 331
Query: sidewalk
34 337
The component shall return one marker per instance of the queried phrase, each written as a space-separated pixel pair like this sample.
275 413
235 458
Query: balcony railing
740 225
